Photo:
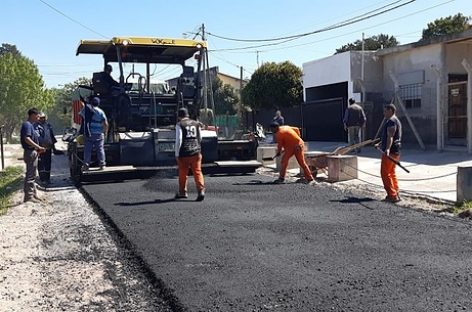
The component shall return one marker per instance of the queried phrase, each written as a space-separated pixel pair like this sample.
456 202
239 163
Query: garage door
323 120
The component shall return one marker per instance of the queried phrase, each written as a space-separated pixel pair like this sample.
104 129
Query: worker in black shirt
188 153
108 79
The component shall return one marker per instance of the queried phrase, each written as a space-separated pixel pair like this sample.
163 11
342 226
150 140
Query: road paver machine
142 115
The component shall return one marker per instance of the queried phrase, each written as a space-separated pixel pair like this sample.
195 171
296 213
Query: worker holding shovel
390 146
288 138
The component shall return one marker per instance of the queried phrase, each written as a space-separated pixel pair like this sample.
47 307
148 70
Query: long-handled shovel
393 160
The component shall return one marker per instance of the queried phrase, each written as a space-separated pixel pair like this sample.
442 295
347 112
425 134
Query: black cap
352 101
95 101
182 112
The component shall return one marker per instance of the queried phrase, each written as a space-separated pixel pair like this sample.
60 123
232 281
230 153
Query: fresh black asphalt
255 246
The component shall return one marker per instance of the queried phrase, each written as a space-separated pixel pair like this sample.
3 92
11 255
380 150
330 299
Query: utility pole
362 69
205 70
240 84
257 58
241 94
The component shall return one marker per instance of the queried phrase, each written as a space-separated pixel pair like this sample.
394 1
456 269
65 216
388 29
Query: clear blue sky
50 39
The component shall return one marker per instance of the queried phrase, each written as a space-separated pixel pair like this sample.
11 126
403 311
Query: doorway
457 113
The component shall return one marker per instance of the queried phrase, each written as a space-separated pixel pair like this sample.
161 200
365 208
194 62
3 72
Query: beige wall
407 64
455 53
232 81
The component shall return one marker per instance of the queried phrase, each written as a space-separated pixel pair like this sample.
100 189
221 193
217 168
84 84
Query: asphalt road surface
253 246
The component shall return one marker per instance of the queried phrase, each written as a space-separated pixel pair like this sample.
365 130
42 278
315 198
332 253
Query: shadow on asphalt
150 202
259 182
355 200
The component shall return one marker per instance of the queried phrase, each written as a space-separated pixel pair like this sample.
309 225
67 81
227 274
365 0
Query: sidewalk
432 174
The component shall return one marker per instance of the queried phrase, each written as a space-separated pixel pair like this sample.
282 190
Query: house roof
231 77
465 36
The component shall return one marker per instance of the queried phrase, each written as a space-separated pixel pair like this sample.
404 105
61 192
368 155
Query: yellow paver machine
142 114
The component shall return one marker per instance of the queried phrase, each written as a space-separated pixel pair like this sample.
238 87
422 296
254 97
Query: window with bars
411 95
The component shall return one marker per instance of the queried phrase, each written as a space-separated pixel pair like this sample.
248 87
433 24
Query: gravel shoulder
60 256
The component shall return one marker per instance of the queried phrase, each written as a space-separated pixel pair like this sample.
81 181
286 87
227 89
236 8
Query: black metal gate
323 120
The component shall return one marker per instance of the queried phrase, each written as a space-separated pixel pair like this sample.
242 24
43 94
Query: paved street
432 174
252 246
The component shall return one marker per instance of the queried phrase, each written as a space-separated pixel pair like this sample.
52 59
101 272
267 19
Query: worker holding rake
288 138
390 147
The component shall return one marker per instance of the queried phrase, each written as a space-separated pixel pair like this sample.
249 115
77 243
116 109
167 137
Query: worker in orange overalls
188 153
288 138
390 147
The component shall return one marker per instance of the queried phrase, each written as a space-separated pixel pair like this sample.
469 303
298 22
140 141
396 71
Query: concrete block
341 167
464 184
265 154
292 163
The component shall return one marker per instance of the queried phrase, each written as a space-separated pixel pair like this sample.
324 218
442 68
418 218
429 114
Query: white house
329 82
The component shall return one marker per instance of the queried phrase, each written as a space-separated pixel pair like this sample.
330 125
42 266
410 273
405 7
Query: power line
344 23
363 29
210 42
331 19
226 61
255 46
342 35
73 20
231 63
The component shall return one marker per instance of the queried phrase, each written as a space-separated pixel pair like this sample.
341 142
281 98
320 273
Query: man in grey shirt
354 120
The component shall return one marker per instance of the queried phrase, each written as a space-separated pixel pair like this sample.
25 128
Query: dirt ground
60 256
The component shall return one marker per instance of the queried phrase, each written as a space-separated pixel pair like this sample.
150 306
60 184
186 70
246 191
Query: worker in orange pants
288 138
389 178
390 146
195 164
188 153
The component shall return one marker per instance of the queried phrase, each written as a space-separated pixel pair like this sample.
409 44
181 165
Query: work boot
391 199
181 195
279 181
311 182
201 195
305 181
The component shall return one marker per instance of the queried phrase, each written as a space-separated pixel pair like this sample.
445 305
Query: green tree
445 26
21 87
274 85
60 114
370 44
225 98
9 48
